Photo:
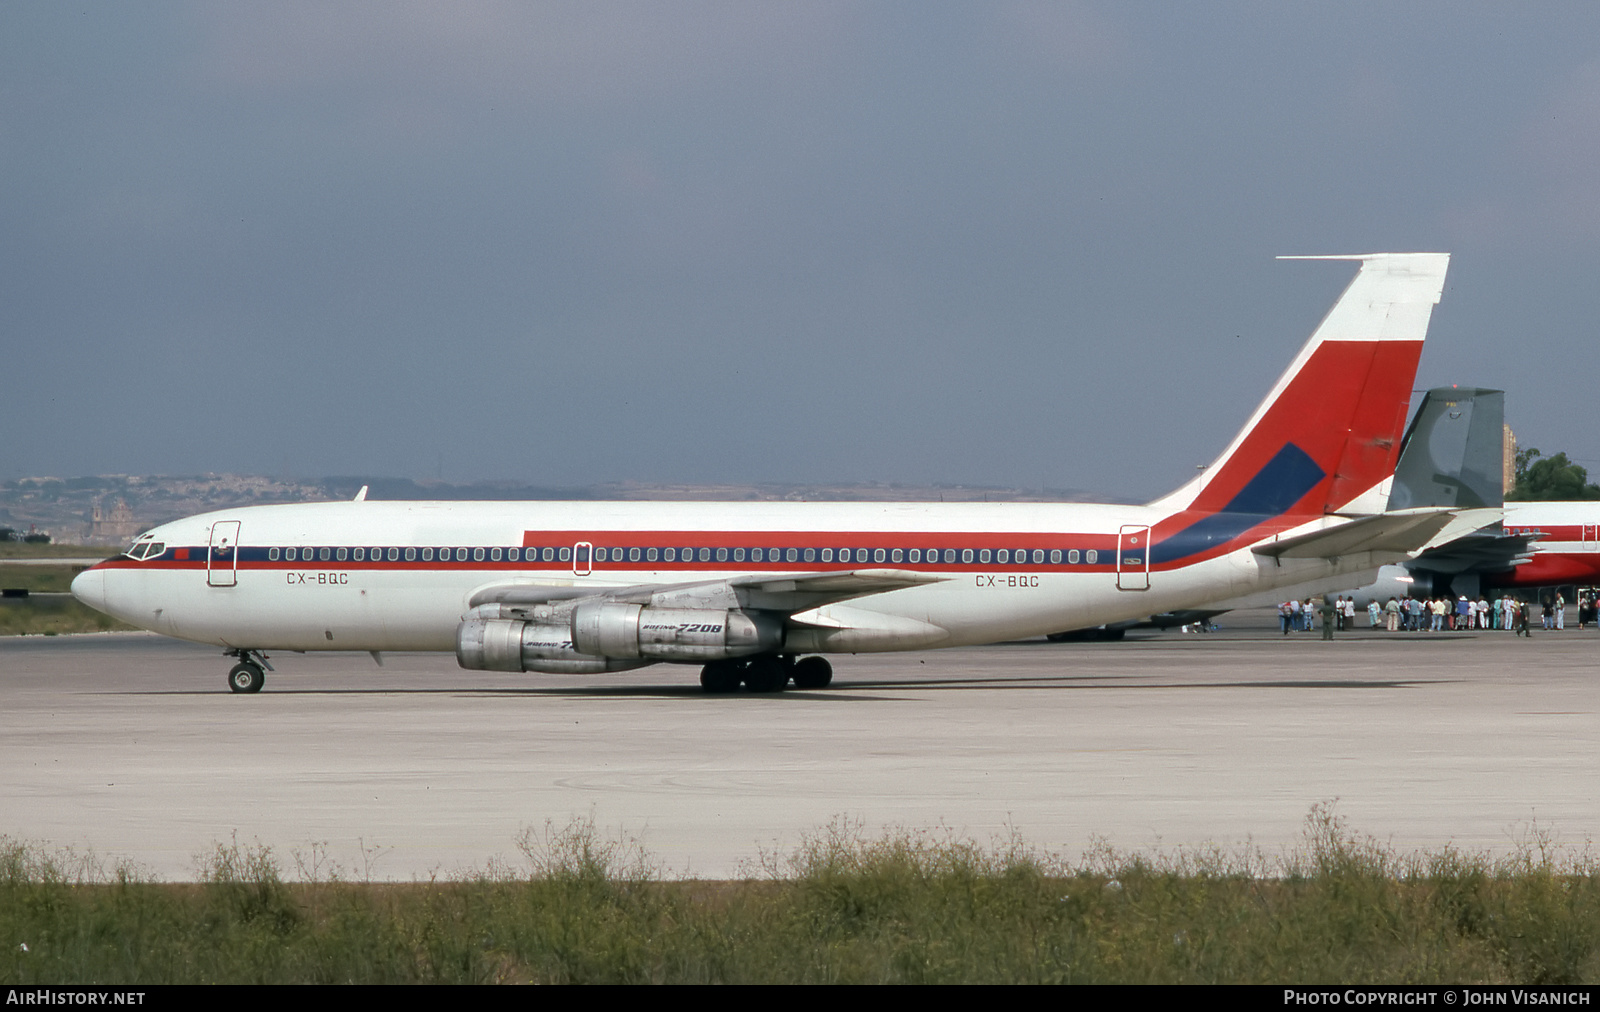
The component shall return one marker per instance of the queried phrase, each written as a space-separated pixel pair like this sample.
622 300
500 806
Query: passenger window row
1003 556
689 554
393 554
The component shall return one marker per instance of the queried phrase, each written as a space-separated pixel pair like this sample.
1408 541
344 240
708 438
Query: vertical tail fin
1452 453
1326 438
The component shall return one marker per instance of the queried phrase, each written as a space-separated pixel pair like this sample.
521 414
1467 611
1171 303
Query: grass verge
907 907
30 550
39 579
47 615
53 616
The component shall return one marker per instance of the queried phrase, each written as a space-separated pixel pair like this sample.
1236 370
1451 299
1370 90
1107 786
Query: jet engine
671 634
505 644
1399 582
599 636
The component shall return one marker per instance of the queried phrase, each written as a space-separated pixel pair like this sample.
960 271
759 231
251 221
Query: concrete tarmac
130 744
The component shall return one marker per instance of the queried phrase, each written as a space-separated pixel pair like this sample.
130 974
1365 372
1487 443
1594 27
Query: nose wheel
250 674
246 678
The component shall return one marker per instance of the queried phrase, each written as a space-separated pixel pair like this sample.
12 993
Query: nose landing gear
248 675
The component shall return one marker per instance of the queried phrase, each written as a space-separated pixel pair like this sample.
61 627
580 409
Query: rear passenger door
1133 557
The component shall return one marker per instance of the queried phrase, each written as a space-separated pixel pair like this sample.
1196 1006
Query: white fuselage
246 592
584 586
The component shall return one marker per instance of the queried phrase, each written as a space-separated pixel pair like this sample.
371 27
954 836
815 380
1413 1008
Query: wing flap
524 593
775 592
813 590
841 628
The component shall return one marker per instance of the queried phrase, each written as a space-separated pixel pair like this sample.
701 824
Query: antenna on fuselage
361 496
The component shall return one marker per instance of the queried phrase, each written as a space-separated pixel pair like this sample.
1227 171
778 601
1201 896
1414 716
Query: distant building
114 527
1508 459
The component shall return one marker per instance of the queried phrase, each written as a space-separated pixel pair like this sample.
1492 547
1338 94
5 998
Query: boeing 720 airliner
757 593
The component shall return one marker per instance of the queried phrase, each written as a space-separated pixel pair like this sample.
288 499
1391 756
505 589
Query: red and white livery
745 589
1567 549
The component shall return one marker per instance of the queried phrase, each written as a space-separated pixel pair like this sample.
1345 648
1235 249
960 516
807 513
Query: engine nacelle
613 629
503 644
603 636
1398 582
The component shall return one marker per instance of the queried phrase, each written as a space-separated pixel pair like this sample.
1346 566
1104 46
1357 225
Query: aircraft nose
89 587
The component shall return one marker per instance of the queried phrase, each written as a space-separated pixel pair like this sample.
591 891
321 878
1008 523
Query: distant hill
410 489
110 509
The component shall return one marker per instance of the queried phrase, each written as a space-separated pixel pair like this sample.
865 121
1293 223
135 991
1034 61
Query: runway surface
131 745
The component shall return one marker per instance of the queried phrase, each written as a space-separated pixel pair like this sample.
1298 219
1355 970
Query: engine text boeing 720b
746 589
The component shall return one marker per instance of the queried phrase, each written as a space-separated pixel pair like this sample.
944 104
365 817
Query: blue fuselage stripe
1274 490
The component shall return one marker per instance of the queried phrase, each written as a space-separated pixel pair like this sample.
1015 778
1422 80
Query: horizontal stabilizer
1477 553
1466 522
1398 533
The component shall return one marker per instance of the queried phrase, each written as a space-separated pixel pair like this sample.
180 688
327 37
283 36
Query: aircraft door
581 553
222 555
1133 558
1590 532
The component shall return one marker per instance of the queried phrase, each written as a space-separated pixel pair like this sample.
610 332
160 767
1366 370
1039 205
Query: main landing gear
248 675
767 673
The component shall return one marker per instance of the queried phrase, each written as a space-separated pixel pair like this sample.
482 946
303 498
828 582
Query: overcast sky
1004 243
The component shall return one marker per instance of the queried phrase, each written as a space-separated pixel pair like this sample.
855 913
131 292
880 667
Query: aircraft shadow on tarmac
901 688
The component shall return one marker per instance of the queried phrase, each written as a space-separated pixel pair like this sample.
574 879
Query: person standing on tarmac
1329 610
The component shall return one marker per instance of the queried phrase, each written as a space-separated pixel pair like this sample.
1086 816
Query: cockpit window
145 548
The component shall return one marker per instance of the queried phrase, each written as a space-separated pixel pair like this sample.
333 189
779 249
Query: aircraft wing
1400 533
785 592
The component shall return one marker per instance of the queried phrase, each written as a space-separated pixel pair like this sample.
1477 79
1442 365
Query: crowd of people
1438 614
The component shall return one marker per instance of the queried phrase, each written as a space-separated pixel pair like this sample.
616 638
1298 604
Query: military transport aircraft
1454 456
746 589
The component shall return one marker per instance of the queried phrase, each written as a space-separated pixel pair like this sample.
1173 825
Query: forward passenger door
222 555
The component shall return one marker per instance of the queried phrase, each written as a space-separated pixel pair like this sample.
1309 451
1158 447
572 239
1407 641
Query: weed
846 905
